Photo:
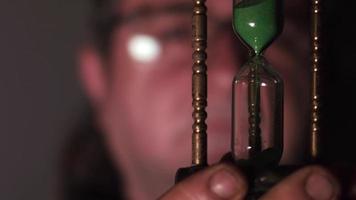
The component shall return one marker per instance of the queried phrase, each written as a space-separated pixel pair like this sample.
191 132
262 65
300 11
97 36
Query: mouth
219 138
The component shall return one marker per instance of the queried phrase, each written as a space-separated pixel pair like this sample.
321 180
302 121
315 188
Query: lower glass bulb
257 121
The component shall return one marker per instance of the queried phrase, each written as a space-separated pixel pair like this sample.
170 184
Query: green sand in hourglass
257 22
257 89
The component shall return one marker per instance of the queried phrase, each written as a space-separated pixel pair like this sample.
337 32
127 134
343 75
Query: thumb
311 182
215 183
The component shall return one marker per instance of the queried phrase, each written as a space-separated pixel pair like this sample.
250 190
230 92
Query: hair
87 171
102 23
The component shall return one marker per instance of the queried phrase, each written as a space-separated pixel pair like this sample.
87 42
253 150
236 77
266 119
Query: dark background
40 99
338 80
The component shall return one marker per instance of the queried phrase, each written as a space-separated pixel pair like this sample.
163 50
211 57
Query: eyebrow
147 11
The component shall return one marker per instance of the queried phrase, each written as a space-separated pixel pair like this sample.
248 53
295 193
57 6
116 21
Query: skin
145 109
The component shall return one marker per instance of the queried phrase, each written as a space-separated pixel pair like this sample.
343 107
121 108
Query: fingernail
320 187
224 184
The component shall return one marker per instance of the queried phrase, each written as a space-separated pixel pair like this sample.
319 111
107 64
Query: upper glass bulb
257 22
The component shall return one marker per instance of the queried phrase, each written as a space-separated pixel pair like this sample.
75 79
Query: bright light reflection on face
144 48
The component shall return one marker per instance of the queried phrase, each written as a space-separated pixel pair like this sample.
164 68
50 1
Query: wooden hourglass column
315 114
199 92
199 84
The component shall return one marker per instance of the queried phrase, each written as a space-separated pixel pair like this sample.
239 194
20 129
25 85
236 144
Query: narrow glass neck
254 54
257 58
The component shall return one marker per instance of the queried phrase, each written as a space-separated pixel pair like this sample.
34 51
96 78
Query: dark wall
40 98
339 86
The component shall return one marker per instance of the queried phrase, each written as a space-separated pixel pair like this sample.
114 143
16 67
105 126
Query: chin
216 155
218 145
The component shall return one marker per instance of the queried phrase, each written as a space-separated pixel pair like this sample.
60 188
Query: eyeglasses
162 38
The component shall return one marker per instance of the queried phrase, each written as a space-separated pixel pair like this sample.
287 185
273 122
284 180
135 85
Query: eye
144 48
178 33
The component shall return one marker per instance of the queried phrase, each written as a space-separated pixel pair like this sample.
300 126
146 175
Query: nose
221 70
223 62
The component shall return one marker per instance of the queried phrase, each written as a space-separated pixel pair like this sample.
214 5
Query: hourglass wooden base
185 172
260 178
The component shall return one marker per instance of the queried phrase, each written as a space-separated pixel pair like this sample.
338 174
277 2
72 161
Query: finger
314 183
215 183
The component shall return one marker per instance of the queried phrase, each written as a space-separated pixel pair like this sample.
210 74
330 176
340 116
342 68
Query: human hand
225 182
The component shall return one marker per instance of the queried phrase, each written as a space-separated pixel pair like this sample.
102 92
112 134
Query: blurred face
146 109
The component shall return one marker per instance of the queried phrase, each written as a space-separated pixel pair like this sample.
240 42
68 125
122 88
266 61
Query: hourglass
257 91
257 120
257 107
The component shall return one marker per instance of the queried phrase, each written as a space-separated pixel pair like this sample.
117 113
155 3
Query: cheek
156 110
149 108
297 96
161 108
159 118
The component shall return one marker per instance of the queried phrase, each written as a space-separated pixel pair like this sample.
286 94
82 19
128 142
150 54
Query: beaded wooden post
199 83
199 93
315 114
